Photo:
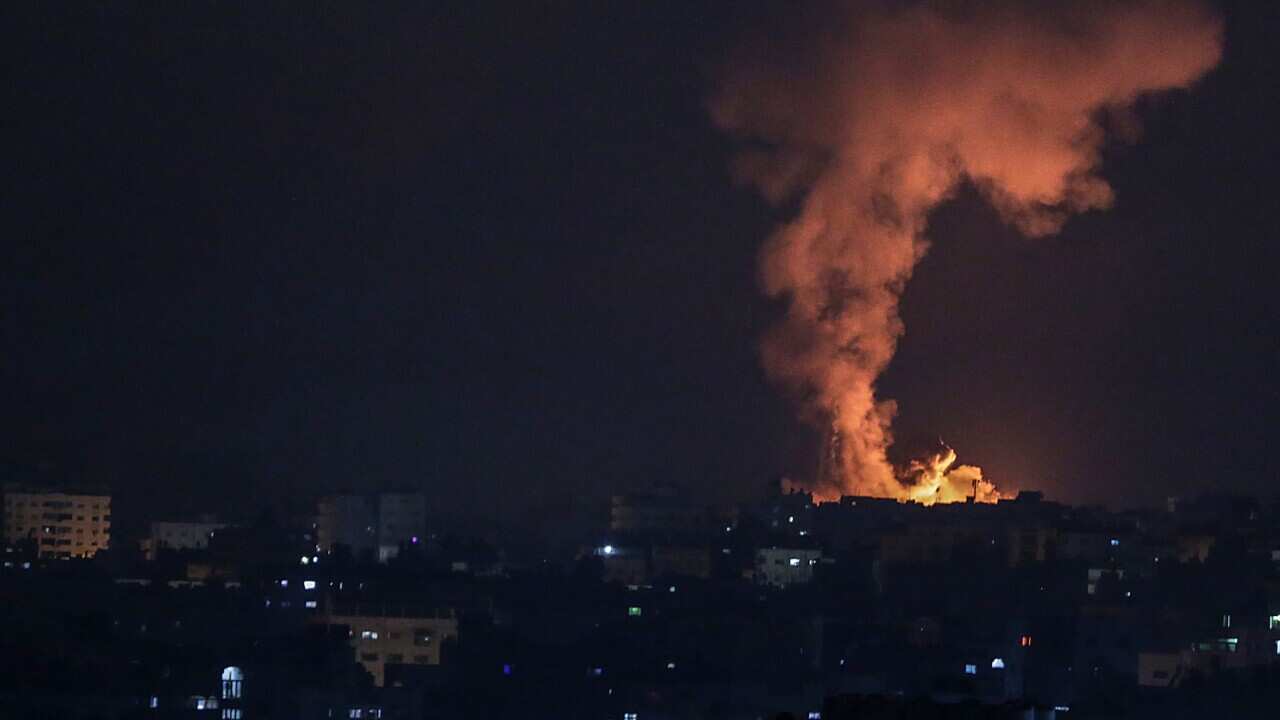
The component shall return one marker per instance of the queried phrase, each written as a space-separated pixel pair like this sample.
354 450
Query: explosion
867 116
933 479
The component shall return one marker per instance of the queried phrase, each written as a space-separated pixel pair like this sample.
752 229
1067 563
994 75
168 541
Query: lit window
970 669
368 634
629 716
306 560
1226 621
355 713
232 682
815 715
155 701
1115 542
634 611
308 584
1273 622
1025 641
791 518
998 663
231 714
506 669
607 549
671 666
794 562
311 604
284 583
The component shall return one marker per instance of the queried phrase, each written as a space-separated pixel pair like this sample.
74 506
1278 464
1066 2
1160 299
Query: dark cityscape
847 359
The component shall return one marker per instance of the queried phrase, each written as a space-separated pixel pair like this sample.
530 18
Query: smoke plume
866 116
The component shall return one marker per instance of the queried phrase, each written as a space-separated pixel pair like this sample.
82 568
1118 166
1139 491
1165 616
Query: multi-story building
349 521
382 638
371 525
781 567
60 524
402 520
173 535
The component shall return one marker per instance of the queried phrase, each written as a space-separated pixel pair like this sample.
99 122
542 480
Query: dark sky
258 253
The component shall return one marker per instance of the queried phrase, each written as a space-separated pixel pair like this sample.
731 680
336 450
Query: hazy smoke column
868 115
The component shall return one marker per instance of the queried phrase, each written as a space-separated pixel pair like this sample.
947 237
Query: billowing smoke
867 115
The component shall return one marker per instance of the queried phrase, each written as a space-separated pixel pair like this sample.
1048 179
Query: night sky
255 254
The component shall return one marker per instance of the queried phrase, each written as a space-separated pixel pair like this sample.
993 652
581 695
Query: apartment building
409 637
180 535
75 524
371 525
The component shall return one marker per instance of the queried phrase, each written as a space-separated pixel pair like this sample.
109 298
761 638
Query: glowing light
864 159
997 663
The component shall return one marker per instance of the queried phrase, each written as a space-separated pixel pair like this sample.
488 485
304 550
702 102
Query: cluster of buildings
671 609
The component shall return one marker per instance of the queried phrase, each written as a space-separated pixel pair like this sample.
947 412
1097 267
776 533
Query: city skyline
501 256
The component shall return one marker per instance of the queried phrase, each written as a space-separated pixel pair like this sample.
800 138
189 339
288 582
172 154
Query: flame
937 479
934 478
864 117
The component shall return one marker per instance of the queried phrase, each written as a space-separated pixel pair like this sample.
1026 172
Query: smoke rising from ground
868 115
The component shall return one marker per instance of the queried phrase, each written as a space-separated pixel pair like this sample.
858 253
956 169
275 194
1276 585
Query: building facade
371 525
349 521
171 535
60 524
379 639
402 520
781 567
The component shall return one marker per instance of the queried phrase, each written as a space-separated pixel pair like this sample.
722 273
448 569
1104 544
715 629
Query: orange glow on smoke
866 116
932 479
937 479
